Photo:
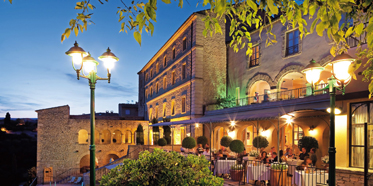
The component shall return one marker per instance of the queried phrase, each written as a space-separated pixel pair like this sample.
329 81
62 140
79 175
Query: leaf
76 30
181 2
272 7
359 29
349 31
167 1
67 32
370 87
137 37
151 28
305 6
353 67
320 28
252 5
90 6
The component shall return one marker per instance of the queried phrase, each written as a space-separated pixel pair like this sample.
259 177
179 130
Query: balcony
278 96
354 41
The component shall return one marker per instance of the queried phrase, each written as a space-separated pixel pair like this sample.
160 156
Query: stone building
63 141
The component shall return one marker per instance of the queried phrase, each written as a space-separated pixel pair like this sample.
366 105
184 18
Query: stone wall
58 146
350 178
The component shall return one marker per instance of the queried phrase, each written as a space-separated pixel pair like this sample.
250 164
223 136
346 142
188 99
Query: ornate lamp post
338 81
84 61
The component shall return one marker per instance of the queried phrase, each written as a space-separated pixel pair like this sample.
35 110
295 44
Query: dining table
310 178
257 171
223 166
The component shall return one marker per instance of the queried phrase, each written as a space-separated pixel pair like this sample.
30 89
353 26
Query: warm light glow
233 123
340 70
336 110
109 63
313 132
289 120
197 125
77 58
188 134
232 134
313 75
3 129
265 133
89 67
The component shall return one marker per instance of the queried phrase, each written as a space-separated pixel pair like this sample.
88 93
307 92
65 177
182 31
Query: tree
326 17
308 142
140 135
260 142
162 142
226 141
202 140
166 169
237 146
188 142
7 119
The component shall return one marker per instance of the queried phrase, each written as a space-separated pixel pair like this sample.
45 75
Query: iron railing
292 50
270 97
354 40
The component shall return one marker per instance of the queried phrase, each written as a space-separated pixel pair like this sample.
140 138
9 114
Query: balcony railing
270 97
353 40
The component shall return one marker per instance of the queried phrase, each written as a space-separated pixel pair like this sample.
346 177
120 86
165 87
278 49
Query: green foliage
202 140
167 134
162 168
308 142
188 142
237 167
162 142
260 142
236 146
226 141
226 102
139 128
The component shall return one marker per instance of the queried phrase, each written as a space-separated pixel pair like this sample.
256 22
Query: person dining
289 153
313 156
200 149
306 163
263 157
304 154
206 152
275 157
219 155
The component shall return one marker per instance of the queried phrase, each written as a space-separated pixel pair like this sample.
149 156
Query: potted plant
225 102
226 141
202 140
188 143
308 142
325 162
162 142
253 154
237 171
279 174
260 142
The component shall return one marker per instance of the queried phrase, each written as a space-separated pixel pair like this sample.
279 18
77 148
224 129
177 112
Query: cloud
16 103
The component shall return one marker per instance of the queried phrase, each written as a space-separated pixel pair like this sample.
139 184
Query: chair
72 180
78 180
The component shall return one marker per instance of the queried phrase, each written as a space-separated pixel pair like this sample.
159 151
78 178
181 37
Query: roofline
191 18
52 108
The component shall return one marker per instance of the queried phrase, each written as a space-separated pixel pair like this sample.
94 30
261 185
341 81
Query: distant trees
7 119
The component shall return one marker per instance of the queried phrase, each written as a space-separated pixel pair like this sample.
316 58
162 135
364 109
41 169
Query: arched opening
82 137
128 136
105 137
97 137
293 85
248 134
109 158
117 137
219 133
85 164
258 91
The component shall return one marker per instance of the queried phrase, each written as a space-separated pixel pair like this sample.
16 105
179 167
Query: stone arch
109 157
259 77
82 136
97 137
84 163
117 137
290 68
128 136
243 136
106 137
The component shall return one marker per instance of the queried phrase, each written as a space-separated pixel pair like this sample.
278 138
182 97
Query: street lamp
338 81
85 61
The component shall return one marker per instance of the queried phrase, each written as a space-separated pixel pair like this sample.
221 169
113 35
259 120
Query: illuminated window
150 114
156 88
83 137
128 136
164 83
184 44
292 42
151 91
146 76
164 110
165 61
173 78
173 108
173 53
157 68
298 133
183 71
106 137
146 94
156 112
151 73
183 104
254 59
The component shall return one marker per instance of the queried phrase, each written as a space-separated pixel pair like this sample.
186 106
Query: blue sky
36 73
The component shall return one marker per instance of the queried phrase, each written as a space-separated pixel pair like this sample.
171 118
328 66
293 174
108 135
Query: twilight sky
36 73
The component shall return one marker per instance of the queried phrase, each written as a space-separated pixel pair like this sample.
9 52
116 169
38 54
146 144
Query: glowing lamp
313 71
336 110
233 123
197 125
3 129
77 54
109 59
341 63
232 134
89 64
266 133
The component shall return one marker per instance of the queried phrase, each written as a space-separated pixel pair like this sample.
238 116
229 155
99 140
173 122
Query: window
156 112
173 78
164 110
183 105
151 91
157 68
146 77
128 112
165 61
150 114
184 44
360 113
117 137
151 73
254 59
146 94
164 83
83 137
128 136
156 88
298 134
292 42
173 53
172 107
183 71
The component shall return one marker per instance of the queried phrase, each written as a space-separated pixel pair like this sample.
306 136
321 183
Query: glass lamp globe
89 64
313 71
109 59
341 63
77 54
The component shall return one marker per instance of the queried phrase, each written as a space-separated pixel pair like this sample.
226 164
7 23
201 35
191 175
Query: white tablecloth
223 166
310 179
295 162
258 172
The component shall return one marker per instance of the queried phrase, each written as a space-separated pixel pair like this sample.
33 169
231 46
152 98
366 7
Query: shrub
237 146
202 140
189 143
260 142
225 141
308 142
162 142
167 134
162 168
